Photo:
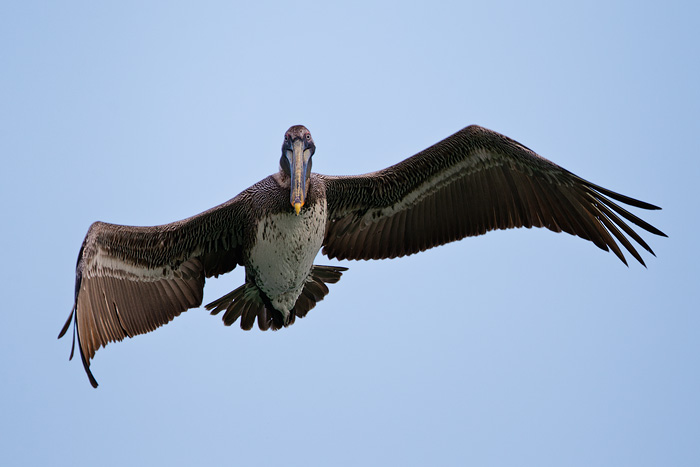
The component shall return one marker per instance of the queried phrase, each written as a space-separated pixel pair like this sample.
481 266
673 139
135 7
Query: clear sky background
516 348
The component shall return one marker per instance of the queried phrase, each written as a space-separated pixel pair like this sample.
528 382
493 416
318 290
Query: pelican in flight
131 280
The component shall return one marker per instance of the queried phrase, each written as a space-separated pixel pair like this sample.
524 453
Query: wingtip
86 365
65 327
93 381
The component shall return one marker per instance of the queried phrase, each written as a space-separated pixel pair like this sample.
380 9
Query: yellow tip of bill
297 207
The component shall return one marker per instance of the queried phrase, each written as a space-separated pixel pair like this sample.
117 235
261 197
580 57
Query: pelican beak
299 166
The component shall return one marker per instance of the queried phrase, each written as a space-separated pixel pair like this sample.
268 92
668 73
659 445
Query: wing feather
470 183
131 280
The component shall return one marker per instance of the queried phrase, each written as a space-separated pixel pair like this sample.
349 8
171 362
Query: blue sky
515 348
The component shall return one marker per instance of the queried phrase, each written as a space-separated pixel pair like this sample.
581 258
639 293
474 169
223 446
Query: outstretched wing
131 280
472 182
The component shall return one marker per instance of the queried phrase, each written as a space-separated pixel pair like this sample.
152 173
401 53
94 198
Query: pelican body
131 280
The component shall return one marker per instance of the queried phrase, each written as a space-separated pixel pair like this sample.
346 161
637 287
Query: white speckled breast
284 251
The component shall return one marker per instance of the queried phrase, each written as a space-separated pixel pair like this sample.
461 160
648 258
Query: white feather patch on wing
479 160
105 264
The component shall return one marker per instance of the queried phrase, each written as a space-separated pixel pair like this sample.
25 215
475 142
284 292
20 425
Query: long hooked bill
298 188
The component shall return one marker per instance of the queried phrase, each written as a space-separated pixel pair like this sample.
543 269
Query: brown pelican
130 280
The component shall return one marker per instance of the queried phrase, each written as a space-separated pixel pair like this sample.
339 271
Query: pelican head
297 149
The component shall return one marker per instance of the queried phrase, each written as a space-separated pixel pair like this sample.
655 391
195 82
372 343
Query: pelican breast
282 255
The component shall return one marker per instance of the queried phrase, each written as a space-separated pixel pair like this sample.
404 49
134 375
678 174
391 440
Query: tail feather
250 312
248 302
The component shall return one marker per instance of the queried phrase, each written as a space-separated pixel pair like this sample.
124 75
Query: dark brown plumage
499 184
130 280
